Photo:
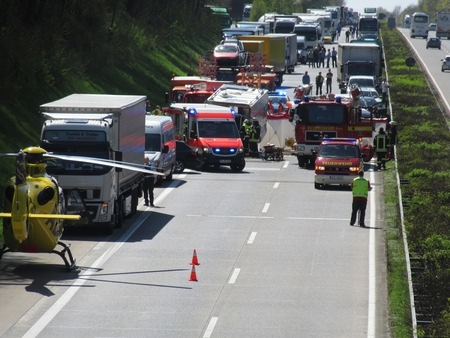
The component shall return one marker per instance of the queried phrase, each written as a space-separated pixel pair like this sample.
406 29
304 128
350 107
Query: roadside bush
423 160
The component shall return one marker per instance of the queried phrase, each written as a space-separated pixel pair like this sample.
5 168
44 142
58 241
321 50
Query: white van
160 146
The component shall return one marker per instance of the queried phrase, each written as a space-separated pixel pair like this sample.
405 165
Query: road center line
266 207
251 239
210 328
276 185
234 276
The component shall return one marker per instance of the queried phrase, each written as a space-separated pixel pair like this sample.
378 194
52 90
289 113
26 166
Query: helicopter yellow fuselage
33 214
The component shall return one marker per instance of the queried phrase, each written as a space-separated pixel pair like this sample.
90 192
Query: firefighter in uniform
360 192
245 135
255 134
380 145
392 138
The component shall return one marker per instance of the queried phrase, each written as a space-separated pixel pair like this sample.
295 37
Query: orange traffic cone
193 277
194 258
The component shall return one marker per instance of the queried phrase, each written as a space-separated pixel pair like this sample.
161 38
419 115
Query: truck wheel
170 176
134 200
118 213
238 166
301 161
179 166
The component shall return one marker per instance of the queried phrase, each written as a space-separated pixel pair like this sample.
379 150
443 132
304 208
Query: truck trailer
274 50
110 127
443 25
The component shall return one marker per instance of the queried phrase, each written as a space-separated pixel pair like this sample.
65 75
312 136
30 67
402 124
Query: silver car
446 63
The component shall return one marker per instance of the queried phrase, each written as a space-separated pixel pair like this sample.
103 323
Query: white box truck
358 59
110 127
443 25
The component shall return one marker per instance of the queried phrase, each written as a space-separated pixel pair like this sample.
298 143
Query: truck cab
338 162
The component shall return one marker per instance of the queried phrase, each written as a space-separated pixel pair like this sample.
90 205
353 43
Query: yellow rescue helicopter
35 207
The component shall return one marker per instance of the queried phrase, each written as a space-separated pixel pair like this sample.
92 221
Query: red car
229 55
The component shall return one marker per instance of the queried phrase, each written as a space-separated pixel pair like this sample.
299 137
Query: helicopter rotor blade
110 163
45 216
8 154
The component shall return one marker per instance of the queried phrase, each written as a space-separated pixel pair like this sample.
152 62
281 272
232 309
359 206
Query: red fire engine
322 117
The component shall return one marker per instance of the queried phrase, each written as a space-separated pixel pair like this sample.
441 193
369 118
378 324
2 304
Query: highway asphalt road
277 257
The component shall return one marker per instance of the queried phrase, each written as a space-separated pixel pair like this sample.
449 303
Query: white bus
419 25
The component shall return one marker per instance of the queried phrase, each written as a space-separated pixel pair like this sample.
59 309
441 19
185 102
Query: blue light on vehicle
192 111
338 99
306 98
233 110
232 150
217 150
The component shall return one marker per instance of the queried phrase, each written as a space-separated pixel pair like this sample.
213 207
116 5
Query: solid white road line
371 325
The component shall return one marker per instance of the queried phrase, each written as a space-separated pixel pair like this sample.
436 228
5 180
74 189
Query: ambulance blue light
306 98
338 99
297 101
192 111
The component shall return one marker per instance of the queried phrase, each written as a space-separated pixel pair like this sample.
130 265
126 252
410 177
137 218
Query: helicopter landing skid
71 262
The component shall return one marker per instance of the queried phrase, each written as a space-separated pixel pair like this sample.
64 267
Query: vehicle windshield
63 167
361 82
218 129
338 150
153 142
80 143
322 114
226 49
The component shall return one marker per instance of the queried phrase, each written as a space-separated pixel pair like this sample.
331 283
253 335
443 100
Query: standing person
321 57
157 111
334 58
306 80
319 83
316 56
360 193
255 135
329 77
384 89
310 58
392 138
328 57
347 35
245 135
148 185
380 145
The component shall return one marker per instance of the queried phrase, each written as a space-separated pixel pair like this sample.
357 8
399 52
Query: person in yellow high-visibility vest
360 192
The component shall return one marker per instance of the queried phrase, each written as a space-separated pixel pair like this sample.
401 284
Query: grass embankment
422 151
